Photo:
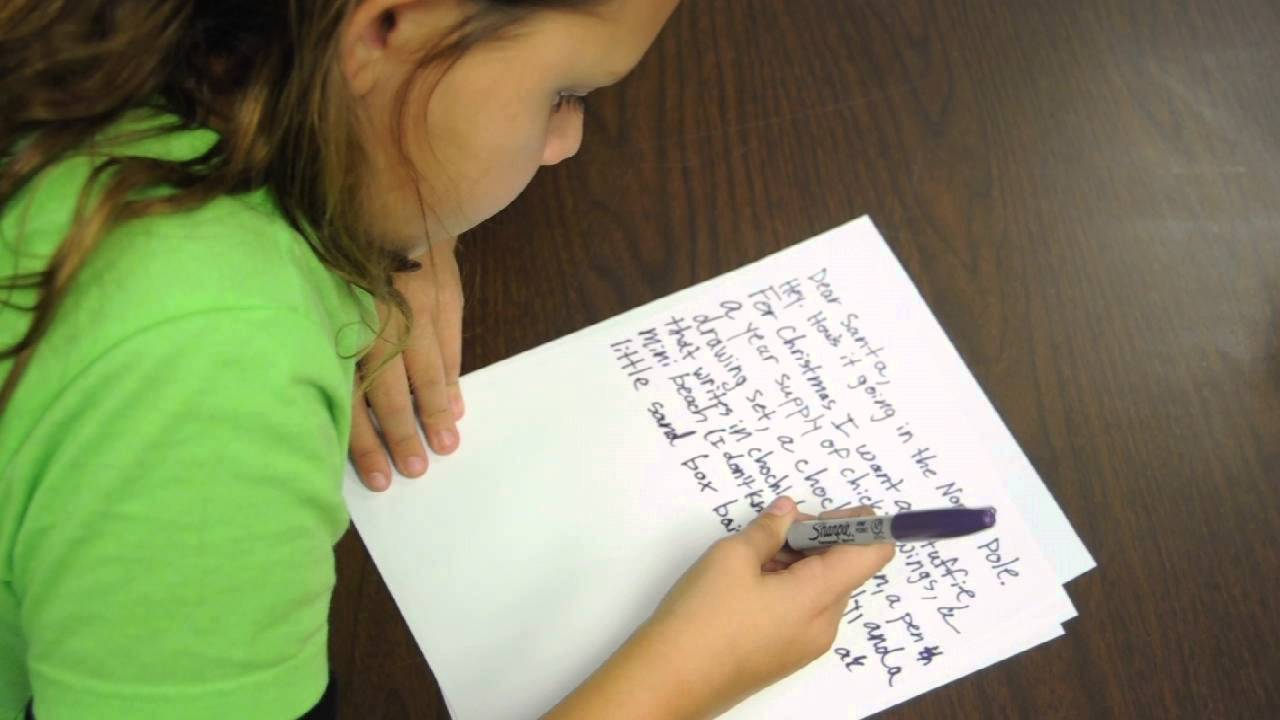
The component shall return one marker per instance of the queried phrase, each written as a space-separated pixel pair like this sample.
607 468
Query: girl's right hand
748 613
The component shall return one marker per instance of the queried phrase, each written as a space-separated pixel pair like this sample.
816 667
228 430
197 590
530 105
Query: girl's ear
364 43
380 34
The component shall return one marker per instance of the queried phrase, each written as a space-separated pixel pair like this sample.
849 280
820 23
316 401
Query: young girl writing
204 208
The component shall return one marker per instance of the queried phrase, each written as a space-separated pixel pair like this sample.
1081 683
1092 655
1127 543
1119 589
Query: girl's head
375 125
476 126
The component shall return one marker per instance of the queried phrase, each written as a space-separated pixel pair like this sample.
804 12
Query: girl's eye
571 101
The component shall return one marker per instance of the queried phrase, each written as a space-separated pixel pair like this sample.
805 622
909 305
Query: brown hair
264 73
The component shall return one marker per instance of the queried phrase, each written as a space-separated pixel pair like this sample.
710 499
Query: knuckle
402 439
363 437
434 411
365 453
752 535
726 546
392 407
728 551
427 391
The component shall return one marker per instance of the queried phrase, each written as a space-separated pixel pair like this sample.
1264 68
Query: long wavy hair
264 73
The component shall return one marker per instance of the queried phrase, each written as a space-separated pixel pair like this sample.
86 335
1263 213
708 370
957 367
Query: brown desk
1087 193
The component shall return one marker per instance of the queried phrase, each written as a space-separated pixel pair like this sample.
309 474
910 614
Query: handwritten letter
598 467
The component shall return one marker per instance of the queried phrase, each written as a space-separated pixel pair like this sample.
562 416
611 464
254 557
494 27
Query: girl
203 207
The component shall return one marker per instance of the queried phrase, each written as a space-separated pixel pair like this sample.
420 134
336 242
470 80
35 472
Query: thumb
766 534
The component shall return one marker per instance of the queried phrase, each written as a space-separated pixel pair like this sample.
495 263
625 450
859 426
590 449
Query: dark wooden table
1087 193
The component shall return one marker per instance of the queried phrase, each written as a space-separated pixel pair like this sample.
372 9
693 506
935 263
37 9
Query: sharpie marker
903 527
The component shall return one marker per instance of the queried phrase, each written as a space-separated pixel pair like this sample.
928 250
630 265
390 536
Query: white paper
588 482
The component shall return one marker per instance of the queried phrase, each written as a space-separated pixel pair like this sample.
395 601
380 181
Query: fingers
847 567
419 385
765 535
425 366
858 562
448 324
838 570
783 559
788 556
433 357
389 396
367 453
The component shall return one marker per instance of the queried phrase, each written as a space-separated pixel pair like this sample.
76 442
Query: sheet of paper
597 467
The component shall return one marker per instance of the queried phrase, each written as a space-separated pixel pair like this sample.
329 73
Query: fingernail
415 466
445 441
378 481
778 506
456 406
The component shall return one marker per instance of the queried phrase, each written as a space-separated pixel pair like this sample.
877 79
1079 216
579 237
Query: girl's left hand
419 385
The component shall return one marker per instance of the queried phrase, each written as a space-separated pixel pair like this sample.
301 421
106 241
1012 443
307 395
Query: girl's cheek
522 162
517 178
489 193
503 160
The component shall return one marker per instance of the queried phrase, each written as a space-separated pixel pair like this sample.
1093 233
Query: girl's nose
564 134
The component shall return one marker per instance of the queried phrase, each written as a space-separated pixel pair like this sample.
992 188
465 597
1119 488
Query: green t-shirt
170 464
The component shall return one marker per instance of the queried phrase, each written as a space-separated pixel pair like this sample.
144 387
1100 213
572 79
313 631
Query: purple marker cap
945 523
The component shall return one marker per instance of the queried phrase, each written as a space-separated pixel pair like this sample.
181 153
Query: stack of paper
598 467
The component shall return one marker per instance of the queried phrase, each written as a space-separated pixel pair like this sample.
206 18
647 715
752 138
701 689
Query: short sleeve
175 559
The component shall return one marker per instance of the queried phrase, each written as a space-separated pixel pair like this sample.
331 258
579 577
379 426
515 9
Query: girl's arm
175 560
645 678
728 628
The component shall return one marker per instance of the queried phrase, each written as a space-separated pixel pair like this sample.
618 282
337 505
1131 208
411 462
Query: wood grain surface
1087 193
